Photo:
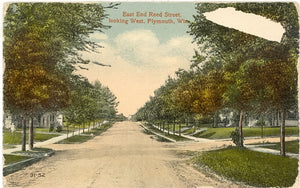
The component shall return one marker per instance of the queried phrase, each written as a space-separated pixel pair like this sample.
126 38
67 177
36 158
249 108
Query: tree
236 50
42 41
90 102
280 59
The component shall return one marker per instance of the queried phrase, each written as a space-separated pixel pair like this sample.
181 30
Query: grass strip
14 138
75 139
251 167
35 150
9 159
8 146
222 133
290 146
86 135
174 137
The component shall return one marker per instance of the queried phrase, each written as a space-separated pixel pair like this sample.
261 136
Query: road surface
122 157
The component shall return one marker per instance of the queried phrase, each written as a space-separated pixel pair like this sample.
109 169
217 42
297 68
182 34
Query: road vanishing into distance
121 157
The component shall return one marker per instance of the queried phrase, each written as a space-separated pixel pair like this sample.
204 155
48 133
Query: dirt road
121 157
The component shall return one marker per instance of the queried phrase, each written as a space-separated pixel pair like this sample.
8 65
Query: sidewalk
50 141
172 140
250 147
203 140
271 151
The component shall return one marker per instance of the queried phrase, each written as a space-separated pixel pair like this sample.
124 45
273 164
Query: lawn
75 139
8 146
171 127
222 133
14 138
290 146
86 135
174 137
189 131
201 125
251 167
14 158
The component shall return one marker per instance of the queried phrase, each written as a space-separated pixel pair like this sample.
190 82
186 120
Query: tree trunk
168 128
173 127
241 144
179 131
67 131
196 125
24 134
31 133
282 134
187 122
215 119
262 127
278 118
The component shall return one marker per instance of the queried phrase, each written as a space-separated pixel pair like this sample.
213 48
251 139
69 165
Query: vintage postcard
150 94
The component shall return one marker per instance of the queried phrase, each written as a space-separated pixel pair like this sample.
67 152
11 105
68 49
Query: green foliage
41 49
90 102
259 75
99 130
51 128
235 137
251 167
231 70
87 135
59 128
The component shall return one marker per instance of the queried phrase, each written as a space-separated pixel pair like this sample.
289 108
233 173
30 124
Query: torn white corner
248 23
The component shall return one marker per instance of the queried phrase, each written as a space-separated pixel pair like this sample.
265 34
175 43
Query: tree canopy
238 71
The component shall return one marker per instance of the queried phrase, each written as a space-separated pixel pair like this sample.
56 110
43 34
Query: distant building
228 120
12 121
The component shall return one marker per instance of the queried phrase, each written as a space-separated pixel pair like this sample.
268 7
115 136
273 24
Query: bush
59 128
235 137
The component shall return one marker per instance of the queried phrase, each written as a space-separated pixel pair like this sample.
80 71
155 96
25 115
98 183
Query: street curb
14 167
157 134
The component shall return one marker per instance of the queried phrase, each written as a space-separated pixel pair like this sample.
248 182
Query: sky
143 55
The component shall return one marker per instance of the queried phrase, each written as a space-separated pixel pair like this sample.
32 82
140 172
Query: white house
11 121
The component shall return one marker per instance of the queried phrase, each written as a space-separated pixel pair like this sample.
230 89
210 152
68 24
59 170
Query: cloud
140 64
139 47
142 48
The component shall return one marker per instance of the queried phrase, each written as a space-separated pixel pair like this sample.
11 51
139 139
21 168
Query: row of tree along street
42 45
234 71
